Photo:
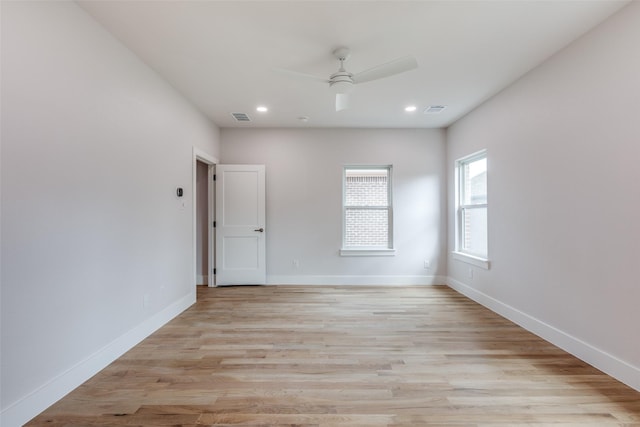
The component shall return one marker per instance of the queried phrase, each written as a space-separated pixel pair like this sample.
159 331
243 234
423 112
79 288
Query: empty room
319 213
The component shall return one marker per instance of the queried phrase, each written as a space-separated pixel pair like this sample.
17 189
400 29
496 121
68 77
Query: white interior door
240 225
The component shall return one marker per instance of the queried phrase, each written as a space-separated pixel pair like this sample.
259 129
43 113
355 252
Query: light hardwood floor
344 356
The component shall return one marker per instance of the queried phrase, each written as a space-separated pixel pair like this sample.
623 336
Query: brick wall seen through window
366 207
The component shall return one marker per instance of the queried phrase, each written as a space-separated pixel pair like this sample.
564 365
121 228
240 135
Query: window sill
367 252
470 259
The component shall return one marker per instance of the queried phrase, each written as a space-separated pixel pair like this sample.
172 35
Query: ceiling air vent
434 109
241 117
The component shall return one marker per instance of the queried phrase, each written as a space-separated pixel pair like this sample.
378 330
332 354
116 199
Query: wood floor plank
344 356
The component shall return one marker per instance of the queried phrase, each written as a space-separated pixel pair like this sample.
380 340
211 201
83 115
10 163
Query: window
367 212
471 224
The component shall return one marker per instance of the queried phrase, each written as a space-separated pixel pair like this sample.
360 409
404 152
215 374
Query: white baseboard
355 280
202 279
40 399
607 363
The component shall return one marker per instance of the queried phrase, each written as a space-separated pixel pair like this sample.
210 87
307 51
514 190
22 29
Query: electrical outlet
470 273
295 263
427 264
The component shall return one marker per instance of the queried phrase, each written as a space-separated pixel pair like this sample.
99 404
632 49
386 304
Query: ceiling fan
342 81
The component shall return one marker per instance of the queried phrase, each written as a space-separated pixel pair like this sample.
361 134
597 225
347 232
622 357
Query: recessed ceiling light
262 109
410 108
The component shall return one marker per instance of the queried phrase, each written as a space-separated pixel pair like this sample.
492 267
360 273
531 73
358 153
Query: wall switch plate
427 264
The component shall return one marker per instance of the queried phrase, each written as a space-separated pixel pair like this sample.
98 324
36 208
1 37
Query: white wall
94 144
304 199
563 147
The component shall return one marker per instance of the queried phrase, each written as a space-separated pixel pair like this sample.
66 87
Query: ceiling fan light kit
342 101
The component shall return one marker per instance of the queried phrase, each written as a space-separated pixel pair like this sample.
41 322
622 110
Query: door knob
260 230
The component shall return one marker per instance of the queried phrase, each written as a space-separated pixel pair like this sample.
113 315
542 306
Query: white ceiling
221 54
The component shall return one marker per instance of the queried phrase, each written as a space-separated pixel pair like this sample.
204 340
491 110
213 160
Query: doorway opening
202 223
203 217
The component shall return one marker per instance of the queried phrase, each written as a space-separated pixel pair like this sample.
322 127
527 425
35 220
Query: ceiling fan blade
301 75
342 101
396 66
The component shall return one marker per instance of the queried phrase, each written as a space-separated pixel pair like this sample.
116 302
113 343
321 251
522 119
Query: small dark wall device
179 192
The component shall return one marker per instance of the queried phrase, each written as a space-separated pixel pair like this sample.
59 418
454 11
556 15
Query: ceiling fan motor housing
341 81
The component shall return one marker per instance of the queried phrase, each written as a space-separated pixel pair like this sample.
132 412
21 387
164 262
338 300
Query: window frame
368 250
460 253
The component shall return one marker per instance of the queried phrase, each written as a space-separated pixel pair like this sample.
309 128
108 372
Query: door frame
211 162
